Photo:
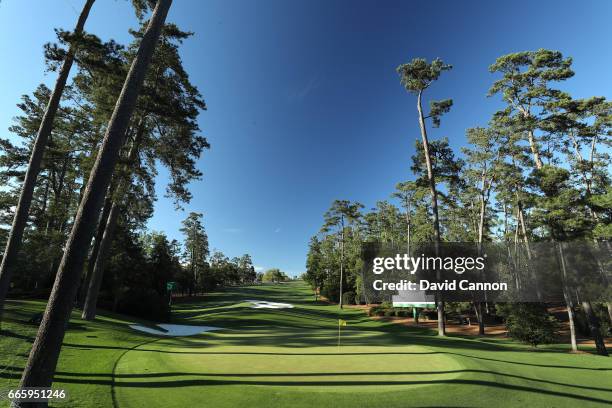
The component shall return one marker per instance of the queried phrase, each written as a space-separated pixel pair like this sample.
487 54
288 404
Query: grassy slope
88 356
290 357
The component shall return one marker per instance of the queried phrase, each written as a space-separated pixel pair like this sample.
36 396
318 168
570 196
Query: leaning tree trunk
40 368
95 281
434 206
20 218
101 226
108 202
89 306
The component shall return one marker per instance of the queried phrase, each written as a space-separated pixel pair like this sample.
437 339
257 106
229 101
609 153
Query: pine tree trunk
89 306
341 262
572 325
534 150
434 206
594 327
521 218
40 368
568 300
108 202
101 226
408 222
480 316
108 228
481 222
20 218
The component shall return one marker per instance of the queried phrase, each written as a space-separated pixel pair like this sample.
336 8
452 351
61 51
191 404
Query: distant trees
537 172
409 194
316 273
227 272
342 214
483 161
274 276
196 250
246 269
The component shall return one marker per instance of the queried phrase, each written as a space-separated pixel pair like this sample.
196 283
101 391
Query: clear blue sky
304 102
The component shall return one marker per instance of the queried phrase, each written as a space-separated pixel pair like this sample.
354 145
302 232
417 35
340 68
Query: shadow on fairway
117 380
322 374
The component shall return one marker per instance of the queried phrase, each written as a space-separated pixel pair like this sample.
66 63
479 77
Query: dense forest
537 172
128 265
78 176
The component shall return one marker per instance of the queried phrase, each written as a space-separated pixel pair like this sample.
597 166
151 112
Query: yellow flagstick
340 324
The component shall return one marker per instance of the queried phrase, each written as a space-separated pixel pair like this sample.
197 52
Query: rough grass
291 357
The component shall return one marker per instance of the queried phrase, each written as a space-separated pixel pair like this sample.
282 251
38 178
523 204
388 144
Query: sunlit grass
291 357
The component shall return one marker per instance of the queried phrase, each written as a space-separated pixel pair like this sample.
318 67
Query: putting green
291 358
297 350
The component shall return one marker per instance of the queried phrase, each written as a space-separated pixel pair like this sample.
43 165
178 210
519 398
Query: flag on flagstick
341 322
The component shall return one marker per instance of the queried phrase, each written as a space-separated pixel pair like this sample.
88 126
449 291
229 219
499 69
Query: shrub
388 311
375 311
530 323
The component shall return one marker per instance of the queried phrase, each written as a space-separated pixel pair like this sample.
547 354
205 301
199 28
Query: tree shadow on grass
321 339
119 380
322 374
15 335
382 353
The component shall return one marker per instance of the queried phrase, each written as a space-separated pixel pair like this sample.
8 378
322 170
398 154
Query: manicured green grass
291 358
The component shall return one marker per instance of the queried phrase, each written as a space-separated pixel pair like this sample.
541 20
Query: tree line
79 183
538 171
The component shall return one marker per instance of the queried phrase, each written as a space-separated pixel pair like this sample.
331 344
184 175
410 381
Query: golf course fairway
292 357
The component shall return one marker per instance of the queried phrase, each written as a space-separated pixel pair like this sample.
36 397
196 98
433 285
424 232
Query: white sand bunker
174 329
264 304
